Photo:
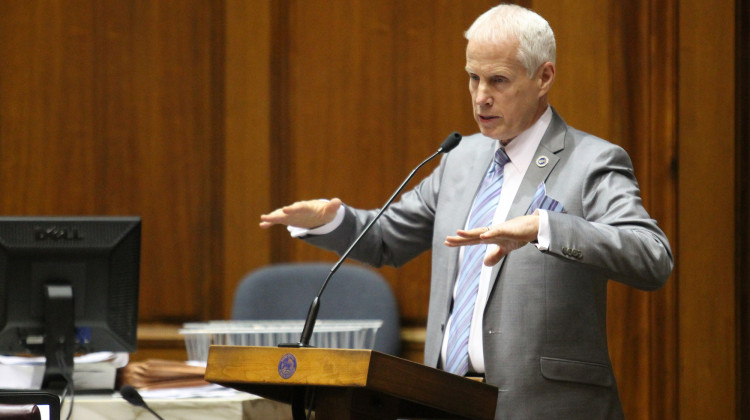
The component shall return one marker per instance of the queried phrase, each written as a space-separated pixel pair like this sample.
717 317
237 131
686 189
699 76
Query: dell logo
54 233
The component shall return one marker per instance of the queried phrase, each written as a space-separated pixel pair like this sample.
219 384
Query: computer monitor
68 285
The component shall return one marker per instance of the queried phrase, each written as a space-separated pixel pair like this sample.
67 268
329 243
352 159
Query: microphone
132 396
448 144
312 314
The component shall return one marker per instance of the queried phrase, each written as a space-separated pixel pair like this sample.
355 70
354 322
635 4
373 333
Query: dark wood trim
662 185
742 132
282 184
213 307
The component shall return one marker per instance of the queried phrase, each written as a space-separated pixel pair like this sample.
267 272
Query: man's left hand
508 236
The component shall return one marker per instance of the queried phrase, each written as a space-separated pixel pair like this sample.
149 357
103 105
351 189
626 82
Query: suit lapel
535 175
544 161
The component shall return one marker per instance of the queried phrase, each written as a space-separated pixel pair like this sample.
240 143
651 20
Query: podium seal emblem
287 365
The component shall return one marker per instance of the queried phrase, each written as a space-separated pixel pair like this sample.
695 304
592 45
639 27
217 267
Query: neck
543 105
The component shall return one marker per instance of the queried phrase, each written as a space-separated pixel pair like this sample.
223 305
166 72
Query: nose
483 96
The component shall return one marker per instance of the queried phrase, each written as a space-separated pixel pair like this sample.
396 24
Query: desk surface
238 407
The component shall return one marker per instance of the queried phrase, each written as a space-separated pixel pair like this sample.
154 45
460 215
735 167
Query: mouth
487 118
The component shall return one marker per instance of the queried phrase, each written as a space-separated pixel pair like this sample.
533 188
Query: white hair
536 42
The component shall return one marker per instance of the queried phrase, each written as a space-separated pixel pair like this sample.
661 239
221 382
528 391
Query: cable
69 383
310 396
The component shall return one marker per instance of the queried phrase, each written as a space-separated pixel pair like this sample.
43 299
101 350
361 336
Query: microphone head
450 142
132 396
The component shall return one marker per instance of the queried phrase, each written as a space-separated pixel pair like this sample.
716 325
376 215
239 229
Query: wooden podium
351 384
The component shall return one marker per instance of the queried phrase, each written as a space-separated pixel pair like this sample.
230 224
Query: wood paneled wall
707 290
108 108
199 115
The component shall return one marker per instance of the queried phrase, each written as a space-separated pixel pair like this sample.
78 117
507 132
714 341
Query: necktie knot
501 158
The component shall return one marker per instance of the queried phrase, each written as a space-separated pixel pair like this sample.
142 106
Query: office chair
285 291
25 405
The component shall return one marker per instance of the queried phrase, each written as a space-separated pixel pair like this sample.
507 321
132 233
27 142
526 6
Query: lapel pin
542 161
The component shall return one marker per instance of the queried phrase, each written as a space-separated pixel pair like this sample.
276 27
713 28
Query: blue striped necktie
482 213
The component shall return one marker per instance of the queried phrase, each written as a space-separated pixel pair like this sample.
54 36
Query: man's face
504 99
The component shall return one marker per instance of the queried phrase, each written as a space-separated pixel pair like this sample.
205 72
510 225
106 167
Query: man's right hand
304 214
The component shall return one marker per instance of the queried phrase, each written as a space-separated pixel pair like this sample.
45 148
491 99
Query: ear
545 77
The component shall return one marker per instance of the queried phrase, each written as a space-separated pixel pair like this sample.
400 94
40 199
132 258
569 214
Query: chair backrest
23 404
285 291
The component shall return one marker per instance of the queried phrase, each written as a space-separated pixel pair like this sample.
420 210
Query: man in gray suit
565 216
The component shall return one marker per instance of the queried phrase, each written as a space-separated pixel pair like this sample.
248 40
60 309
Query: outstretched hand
508 236
305 214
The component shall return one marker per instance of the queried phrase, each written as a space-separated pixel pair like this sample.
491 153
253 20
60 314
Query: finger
268 220
494 256
472 233
287 215
491 233
266 225
454 241
272 217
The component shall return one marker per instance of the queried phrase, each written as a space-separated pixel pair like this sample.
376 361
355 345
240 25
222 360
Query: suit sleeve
403 232
614 233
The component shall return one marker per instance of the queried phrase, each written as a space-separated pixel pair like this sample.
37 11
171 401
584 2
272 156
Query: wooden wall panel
584 68
655 108
173 119
248 181
106 109
706 229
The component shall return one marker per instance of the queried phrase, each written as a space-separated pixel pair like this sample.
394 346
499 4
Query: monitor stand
59 337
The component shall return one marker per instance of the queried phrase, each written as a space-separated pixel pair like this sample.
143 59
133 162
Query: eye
473 76
498 79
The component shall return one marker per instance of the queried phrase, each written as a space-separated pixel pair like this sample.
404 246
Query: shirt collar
521 150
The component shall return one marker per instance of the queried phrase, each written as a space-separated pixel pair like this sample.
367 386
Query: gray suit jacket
545 341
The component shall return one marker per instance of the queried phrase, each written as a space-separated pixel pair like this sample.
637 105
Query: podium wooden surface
351 384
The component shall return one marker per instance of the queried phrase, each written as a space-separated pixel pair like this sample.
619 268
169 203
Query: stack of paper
160 374
93 371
